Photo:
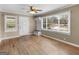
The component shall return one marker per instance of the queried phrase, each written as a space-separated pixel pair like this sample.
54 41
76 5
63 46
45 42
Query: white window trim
10 30
64 32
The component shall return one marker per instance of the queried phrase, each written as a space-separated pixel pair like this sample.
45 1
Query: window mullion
58 24
41 23
69 19
46 23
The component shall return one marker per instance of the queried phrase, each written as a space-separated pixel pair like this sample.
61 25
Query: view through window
58 22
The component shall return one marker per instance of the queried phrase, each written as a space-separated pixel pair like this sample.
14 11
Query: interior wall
38 23
11 34
0 24
32 24
74 36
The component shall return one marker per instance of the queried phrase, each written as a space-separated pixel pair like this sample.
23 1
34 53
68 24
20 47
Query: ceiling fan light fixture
32 12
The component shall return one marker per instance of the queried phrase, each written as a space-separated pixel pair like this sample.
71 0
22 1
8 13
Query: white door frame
23 25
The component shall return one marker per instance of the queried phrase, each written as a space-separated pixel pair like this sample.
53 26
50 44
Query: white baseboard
75 45
3 38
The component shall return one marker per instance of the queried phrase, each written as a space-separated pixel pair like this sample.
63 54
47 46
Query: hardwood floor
36 45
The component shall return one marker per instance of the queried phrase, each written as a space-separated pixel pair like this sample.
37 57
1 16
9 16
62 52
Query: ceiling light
32 12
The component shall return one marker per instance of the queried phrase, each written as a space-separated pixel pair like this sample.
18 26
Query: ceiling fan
34 10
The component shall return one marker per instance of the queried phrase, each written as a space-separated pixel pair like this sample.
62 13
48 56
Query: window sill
61 32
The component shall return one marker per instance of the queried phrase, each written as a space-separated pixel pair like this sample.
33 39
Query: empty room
39 29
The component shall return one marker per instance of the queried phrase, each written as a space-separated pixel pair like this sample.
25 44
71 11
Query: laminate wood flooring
36 45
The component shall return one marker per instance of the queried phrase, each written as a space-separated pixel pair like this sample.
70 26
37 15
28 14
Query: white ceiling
23 8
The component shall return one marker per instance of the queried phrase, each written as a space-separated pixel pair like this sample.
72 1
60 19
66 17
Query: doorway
23 25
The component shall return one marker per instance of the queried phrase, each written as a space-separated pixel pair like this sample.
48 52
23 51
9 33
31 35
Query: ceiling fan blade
39 10
36 12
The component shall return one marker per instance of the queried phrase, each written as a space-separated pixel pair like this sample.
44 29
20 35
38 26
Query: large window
52 23
58 22
10 23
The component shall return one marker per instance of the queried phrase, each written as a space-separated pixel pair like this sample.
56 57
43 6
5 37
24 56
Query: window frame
69 24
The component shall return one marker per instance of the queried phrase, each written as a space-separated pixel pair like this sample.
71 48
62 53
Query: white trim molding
69 43
4 38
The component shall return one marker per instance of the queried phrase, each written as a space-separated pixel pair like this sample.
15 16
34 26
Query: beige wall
32 24
0 24
74 36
